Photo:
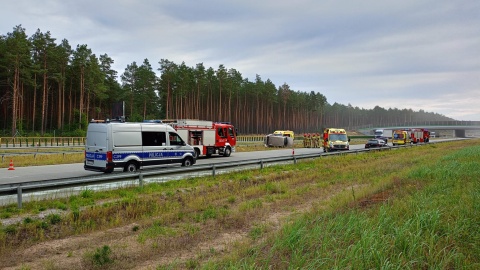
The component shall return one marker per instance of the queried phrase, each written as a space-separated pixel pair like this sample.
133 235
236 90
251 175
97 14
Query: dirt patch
42 215
374 199
213 238
129 253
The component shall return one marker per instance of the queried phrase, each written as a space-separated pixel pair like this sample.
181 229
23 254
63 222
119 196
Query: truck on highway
131 145
383 134
206 137
335 139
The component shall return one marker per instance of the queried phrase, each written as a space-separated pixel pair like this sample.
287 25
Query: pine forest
49 86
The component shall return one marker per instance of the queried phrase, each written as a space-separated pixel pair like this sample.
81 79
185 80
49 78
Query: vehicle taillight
109 156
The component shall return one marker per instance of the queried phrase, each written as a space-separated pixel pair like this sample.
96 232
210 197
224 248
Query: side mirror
348 139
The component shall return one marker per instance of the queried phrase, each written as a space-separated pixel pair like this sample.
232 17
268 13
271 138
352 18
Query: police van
130 146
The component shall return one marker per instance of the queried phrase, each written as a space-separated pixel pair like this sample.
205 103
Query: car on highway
374 143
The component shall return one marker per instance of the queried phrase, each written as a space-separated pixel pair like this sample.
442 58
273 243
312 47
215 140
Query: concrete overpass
458 128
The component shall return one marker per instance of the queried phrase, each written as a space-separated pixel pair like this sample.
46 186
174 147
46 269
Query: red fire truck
206 137
419 135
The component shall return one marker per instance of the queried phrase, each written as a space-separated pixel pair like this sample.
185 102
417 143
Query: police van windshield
338 137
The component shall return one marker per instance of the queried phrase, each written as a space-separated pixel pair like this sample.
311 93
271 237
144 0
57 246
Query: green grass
434 227
407 208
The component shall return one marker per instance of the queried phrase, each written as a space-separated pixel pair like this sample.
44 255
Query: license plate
89 162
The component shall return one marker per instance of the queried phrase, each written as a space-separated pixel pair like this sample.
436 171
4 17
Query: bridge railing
419 123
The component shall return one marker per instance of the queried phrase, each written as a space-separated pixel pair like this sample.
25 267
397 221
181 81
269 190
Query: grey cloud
346 50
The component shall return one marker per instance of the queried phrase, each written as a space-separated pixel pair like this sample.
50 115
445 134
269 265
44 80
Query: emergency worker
314 140
308 140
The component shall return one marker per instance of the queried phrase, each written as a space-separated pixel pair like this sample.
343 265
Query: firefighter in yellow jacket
307 140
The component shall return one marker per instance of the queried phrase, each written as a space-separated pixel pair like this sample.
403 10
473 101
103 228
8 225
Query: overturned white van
130 146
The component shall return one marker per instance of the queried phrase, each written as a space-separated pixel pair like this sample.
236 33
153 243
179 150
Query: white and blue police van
132 145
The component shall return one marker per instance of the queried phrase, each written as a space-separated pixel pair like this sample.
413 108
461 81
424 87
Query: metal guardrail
36 142
28 187
41 141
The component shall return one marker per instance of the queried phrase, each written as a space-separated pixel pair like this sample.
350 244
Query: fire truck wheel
187 162
131 166
227 152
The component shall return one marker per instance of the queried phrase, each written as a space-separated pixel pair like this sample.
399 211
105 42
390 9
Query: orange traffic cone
11 168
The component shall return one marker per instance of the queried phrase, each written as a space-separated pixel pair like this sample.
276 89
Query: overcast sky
413 54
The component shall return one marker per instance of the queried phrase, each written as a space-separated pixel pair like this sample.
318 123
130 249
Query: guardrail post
19 197
140 179
261 164
294 160
213 170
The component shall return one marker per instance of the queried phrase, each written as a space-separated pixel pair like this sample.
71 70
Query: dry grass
181 224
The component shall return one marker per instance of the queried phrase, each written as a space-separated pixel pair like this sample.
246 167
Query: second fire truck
419 135
206 137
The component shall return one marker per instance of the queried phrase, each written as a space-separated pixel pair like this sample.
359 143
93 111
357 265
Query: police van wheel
227 152
187 162
131 167
197 152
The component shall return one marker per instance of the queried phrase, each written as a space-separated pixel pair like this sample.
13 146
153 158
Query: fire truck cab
206 137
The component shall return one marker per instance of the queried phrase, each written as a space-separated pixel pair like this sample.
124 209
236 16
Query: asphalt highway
48 172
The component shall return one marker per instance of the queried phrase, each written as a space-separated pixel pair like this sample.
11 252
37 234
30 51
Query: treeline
47 85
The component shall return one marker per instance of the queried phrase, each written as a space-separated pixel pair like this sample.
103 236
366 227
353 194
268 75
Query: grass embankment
430 220
408 208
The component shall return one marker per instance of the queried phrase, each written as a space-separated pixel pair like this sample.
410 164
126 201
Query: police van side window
150 138
175 139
